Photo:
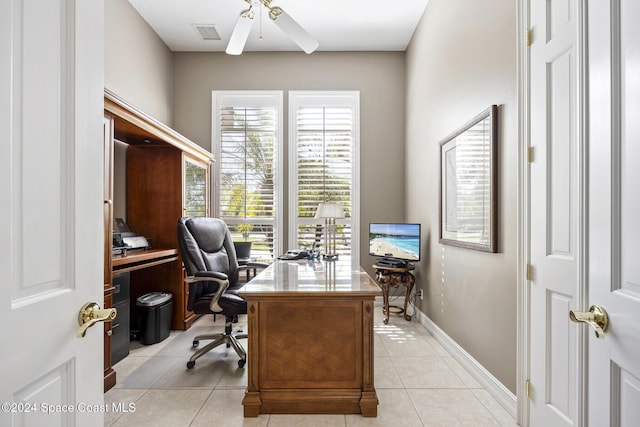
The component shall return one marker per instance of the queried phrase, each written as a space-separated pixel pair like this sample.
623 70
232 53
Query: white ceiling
338 25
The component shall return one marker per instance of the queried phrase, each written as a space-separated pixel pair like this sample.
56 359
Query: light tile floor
417 381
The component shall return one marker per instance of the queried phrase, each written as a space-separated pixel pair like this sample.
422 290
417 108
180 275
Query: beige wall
379 76
138 68
461 60
138 65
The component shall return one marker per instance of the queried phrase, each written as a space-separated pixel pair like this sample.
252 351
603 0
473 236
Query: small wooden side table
393 277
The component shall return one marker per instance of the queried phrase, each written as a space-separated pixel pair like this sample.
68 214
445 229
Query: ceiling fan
281 18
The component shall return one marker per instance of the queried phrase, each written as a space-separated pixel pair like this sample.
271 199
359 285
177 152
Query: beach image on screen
400 241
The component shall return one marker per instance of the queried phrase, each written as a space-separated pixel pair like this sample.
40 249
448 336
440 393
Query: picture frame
468 184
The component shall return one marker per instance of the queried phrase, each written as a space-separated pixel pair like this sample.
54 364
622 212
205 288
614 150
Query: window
196 198
247 145
324 167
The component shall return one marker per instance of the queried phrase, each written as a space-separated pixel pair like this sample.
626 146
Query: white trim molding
524 38
490 383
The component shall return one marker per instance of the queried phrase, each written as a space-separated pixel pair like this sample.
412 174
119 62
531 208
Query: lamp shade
329 210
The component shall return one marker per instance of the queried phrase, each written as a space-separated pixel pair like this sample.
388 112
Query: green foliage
245 229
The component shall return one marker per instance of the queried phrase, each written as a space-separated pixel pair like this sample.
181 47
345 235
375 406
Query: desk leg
252 402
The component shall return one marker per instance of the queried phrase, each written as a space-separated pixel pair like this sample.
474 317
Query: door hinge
527 388
529 272
530 154
529 37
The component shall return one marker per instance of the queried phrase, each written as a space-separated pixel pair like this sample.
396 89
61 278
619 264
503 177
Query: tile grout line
204 402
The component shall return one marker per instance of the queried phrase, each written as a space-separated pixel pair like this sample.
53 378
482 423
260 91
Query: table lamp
329 212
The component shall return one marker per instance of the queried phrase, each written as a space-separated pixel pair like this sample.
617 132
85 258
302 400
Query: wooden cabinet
168 176
158 190
109 373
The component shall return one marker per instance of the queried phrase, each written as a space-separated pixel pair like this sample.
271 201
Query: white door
614 211
51 108
556 209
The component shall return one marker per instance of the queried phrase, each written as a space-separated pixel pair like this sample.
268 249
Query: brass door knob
596 317
90 314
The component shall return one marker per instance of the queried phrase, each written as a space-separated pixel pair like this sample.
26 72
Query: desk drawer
121 285
120 332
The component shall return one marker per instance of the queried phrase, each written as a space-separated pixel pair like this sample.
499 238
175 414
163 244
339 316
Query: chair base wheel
196 343
241 363
191 364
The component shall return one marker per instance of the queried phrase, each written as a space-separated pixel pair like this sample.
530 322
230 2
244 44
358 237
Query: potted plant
243 248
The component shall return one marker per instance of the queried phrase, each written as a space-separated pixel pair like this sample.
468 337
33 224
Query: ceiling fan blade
294 30
240 33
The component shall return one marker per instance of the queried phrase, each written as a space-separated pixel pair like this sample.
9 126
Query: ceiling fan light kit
281 18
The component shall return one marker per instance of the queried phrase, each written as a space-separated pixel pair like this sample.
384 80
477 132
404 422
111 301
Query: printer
126 240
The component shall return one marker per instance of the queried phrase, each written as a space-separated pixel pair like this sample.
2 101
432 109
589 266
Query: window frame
352 99
251 98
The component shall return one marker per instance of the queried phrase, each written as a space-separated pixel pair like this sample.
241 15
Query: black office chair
209 258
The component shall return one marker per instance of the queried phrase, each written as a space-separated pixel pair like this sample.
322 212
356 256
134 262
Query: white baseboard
494 387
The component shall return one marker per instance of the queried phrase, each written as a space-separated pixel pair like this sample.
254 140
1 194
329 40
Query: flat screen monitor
395 241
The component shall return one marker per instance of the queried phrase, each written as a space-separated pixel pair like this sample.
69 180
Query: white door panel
614 231
51 85
39 252
611 202
629 396
555 213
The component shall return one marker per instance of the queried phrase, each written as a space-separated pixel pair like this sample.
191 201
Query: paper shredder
154 316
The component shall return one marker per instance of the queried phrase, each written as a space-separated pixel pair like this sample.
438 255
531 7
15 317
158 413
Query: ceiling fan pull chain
260 37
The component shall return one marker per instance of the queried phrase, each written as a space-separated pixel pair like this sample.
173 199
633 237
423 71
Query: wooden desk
310 344
135 260
157 270
167 177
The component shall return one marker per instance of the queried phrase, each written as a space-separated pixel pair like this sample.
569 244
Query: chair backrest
205 245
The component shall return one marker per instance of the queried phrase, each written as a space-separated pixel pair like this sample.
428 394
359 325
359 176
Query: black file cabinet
121 324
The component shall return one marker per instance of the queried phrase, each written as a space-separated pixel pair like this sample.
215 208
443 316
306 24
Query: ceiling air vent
207 32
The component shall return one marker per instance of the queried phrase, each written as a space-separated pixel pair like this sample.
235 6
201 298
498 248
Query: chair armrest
211 276
217 276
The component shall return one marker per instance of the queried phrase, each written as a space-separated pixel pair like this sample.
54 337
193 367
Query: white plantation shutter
247 129
323 165
246 162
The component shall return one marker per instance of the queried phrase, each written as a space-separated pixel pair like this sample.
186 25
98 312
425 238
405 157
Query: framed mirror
468 184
